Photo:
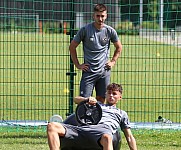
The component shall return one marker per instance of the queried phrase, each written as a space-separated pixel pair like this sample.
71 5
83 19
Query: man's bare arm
117 51
116 55
130 139
73 52
90 100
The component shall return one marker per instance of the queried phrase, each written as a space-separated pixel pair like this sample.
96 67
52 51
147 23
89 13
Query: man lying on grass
95 136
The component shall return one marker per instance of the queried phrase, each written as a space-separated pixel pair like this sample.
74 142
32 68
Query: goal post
19 22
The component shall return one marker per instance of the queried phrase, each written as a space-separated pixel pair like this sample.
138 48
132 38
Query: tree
153 9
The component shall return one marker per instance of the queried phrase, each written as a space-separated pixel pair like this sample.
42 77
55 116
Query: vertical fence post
71 93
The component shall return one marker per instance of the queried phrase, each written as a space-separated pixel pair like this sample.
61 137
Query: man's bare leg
106 142
54 130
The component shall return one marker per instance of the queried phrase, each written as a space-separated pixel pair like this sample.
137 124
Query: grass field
34 85
146 140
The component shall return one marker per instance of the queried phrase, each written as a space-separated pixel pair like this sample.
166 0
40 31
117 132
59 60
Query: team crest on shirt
104 40
91 39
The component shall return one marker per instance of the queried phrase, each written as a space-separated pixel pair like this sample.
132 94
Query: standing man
96 69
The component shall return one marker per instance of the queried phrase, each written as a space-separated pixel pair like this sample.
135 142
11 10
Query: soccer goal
19 22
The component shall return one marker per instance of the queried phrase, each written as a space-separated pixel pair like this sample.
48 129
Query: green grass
146 140
33 78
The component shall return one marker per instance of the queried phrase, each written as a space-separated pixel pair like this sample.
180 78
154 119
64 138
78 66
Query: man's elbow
75 99
119 49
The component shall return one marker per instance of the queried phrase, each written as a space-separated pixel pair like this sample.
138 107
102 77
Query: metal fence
38 79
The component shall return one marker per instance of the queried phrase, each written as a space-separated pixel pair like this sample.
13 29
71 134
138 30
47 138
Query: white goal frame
25 15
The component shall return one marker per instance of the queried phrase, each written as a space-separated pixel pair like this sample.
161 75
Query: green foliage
150 25
52 27
29 26
153 9
126 28
20 24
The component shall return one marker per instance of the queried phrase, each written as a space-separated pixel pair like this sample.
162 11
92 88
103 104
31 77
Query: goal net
19 22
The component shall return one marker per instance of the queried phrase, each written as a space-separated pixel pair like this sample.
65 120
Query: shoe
56 118
163 120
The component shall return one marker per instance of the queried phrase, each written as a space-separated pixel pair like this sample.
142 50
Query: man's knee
54 126
106 138
50 127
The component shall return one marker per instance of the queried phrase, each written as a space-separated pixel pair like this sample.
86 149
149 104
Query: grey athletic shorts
84 136
90 80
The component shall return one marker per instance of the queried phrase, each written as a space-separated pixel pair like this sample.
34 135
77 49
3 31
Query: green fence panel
38 79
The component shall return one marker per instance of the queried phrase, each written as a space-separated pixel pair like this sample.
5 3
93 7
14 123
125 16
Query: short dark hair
100 8
115 87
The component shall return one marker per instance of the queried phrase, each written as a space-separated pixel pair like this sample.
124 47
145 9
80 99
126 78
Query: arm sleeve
125 123
80 35
114 36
